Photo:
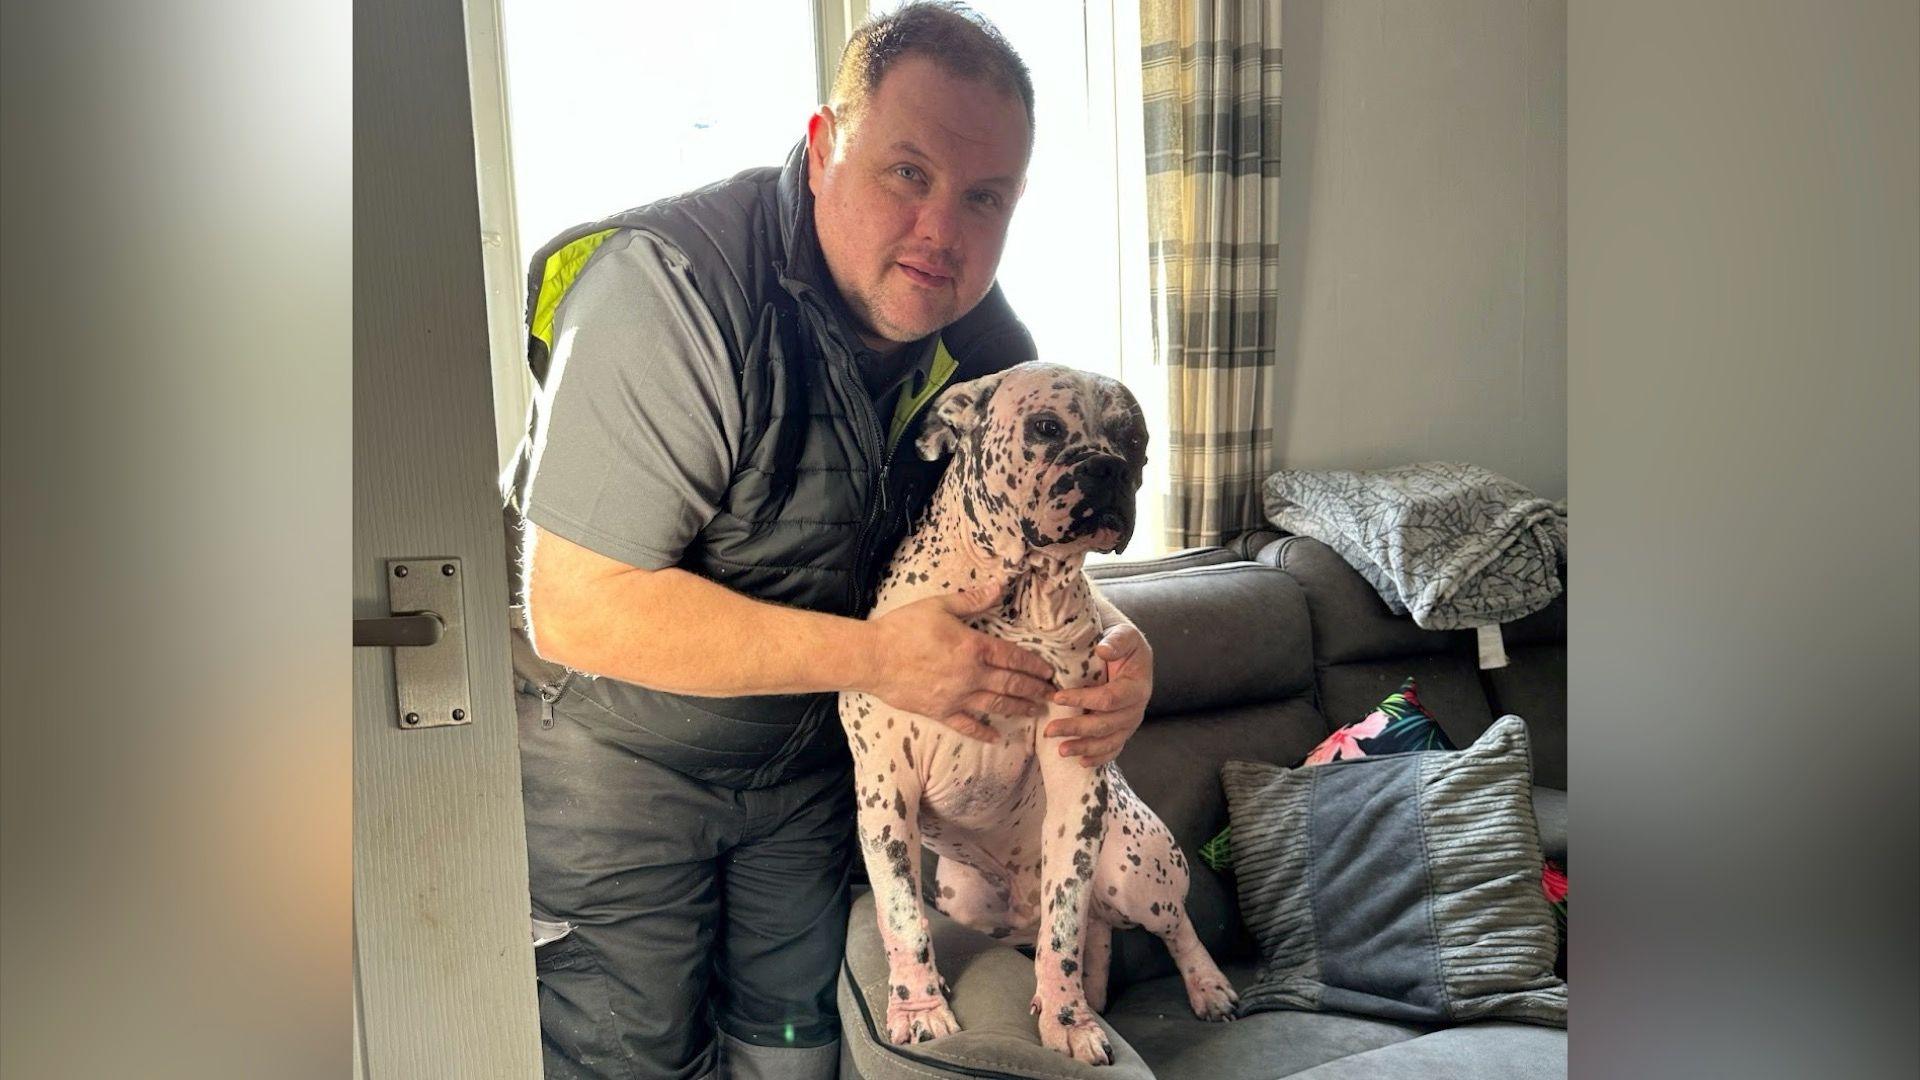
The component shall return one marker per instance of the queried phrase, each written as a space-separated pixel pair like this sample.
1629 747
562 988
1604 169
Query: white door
443 964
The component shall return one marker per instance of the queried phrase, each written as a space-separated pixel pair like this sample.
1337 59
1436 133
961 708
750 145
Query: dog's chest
995 787
1069 648
981 786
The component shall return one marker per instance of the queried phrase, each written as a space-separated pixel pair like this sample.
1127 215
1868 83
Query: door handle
426 628
398 631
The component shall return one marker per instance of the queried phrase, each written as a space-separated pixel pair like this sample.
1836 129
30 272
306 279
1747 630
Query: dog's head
1048 455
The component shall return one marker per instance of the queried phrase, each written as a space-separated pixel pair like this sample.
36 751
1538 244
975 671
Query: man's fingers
987 703
1121 642
1081 726
1094 751
970 727
1102 698
1004 654
1014 684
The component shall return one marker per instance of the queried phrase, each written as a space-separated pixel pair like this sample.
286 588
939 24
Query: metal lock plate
430 681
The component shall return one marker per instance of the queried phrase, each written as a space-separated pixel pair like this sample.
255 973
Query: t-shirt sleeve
639 420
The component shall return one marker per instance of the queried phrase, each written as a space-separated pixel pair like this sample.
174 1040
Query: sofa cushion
1360 645
1157 1022
1225 634
1550 812
1184 559
991 985
1534 685
1351 622
1248 545
1495 1050
1405 886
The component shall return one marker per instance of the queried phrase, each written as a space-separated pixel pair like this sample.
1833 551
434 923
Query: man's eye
907 172
987 199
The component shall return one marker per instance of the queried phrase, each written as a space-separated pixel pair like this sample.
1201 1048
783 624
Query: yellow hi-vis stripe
557 277
944 365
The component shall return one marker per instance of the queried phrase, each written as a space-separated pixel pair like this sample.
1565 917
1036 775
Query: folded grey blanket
1453 544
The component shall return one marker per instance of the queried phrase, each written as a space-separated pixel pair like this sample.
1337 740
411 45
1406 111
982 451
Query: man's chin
908 317
903 331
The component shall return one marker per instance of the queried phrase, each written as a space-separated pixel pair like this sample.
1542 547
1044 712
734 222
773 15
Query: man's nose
940 223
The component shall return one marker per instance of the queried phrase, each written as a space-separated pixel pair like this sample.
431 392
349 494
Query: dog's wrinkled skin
1034 847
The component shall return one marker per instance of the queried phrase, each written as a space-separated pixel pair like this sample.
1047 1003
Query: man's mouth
924 275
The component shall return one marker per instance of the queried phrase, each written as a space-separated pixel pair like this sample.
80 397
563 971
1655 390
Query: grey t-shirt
640 420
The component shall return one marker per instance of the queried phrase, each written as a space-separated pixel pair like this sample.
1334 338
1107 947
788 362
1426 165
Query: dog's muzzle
1106 486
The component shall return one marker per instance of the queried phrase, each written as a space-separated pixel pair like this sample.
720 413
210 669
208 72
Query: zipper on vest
937 380
871 434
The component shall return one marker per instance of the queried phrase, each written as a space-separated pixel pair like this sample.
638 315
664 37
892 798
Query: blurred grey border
1743 345
175 791
1744 444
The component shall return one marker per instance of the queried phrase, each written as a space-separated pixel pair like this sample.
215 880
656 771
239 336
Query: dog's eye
1045 427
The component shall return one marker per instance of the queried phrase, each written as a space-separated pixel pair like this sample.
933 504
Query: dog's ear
959 409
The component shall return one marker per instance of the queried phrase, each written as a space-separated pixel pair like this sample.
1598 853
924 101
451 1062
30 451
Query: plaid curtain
1211 75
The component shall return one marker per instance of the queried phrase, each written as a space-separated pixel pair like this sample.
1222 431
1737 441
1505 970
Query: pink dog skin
1034 847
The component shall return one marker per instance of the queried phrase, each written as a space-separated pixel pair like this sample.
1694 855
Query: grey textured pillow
1405 886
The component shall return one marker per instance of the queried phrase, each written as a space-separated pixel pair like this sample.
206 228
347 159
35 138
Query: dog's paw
1211 997
919 1021
1073 1032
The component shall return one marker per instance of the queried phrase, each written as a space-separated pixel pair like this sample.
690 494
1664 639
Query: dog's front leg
1070 849
888 789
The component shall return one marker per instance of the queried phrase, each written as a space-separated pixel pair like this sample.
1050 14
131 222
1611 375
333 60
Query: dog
1034 847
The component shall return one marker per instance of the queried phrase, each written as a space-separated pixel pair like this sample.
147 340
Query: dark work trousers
691 905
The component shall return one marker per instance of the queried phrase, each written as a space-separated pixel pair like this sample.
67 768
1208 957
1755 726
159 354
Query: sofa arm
1550 812
992 986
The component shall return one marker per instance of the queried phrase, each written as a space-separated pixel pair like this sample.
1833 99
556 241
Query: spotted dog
1034 847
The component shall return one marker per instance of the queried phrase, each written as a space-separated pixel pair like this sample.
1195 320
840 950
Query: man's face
912 203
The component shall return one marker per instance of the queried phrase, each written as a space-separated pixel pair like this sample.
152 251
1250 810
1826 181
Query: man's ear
819 146
959 409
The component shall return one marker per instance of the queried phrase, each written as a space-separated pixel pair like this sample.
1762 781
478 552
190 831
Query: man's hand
1114 709
928 661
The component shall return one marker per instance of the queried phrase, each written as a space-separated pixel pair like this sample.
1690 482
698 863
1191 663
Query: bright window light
615 104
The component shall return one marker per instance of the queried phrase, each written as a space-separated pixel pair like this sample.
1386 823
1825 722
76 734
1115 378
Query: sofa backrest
1233 679
1362 651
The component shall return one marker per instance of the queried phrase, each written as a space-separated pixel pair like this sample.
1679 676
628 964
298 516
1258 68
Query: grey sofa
1260 651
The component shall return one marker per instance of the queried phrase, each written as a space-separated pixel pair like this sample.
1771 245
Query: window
615 104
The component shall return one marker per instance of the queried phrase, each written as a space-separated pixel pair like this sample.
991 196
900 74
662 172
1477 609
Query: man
707 497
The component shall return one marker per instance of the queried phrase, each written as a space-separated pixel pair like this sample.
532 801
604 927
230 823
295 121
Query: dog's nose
1105 470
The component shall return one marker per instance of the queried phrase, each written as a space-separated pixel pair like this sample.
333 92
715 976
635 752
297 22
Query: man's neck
886 347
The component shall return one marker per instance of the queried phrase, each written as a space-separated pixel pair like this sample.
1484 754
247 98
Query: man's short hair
962 41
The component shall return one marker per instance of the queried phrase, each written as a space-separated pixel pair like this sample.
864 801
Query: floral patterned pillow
1399 725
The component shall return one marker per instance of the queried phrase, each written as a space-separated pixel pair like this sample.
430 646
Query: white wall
1423 236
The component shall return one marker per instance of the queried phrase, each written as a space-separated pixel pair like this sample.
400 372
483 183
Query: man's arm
1115 708
673 630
